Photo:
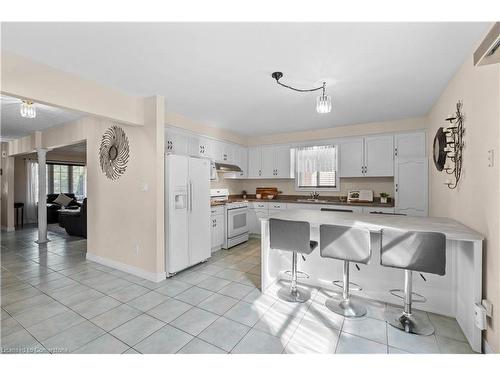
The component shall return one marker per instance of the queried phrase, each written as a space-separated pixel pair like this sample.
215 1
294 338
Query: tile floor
54 300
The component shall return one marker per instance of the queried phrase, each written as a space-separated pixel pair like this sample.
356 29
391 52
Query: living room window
66 178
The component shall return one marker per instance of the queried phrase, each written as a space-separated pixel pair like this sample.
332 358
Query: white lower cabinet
254 216
217 227
411 186
378 210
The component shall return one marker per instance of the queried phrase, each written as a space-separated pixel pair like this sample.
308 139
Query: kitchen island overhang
453 294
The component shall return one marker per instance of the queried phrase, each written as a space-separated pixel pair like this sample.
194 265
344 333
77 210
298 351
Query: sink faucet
314 195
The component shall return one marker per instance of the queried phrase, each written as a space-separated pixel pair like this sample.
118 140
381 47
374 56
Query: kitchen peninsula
453 294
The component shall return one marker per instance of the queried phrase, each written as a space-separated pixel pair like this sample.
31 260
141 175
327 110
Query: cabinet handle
397 187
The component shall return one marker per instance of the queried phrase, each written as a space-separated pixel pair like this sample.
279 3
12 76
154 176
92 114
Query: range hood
489 52
221 167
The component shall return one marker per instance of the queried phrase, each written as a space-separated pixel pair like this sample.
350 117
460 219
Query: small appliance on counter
361 196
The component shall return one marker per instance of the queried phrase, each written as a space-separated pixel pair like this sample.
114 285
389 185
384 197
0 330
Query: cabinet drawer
277 206
217 210
378 210
259 205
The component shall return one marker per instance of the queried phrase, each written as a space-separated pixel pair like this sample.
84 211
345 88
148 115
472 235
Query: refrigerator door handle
190 196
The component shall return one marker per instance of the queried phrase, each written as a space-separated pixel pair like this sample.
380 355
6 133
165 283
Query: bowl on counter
258 196
343 198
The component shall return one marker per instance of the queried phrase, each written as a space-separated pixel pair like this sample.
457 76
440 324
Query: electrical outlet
136 250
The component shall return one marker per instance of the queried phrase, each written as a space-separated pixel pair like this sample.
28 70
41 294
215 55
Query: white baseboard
487 348
8 229
136 271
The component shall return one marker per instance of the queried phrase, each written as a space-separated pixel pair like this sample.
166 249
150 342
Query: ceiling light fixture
28 109
323 102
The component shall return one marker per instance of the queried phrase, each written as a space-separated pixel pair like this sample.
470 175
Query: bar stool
292 236
412 251
349 245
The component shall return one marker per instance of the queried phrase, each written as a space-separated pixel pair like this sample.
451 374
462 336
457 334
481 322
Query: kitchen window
316 168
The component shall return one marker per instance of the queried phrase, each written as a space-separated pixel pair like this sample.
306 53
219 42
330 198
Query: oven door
237 221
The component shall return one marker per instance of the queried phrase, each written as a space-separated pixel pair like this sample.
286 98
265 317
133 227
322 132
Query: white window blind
316 167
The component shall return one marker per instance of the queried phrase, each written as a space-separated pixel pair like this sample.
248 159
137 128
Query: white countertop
453 229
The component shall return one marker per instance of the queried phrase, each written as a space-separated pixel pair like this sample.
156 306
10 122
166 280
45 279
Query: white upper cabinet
269 162
410 145
200 146
351 158
282 162
367 157
411 186
268 167
254 162
240 158
176 142
379 156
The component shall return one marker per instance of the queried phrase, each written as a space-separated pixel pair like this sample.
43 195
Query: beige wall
22 77
476 201
124 217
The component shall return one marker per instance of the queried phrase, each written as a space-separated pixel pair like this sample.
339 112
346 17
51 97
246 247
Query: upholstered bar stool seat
293 236
412 251
349 245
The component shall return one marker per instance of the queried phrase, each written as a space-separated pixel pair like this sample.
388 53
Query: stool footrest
300 274
400 293
352 286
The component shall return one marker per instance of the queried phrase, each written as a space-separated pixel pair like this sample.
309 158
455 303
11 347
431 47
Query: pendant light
28 109
323 102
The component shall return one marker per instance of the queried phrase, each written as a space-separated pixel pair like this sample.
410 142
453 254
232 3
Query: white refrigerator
187 212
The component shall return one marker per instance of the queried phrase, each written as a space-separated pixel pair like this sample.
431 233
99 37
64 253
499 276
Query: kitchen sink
311 200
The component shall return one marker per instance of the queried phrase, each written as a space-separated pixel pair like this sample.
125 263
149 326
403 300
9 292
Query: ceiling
14 126
220 73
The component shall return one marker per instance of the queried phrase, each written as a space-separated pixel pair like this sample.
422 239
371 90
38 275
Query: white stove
236 218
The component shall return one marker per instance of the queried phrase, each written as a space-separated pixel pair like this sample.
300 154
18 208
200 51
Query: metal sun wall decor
449 145
114 152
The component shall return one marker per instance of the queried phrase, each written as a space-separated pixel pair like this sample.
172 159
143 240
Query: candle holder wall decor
448 147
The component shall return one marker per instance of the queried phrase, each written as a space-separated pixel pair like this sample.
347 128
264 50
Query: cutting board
266 191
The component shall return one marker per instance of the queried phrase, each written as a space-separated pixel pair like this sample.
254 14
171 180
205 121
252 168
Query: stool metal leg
407 321
345 306
294 293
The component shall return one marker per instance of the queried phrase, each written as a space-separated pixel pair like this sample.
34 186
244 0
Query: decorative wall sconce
448 147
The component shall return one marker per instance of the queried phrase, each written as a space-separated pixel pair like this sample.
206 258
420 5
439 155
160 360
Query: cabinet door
254 162
219 226
213 232
252 221
378 210
379 156
243 163
268 164
410 145
351 158
228 153
260 215
176 143
199 146
216 150
411 190
282 162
